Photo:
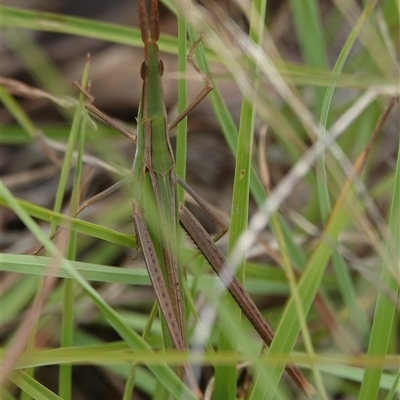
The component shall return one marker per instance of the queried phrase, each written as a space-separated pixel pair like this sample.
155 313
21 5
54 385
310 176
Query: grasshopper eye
143 70
160 67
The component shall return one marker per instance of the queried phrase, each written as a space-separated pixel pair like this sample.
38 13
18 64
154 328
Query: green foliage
334 256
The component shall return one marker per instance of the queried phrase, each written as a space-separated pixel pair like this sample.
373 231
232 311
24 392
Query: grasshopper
157 213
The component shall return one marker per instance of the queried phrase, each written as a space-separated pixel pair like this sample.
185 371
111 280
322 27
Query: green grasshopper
155 205
157 213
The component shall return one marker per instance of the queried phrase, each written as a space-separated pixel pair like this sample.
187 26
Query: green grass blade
343 274
67 323
181 140
88 228
384 321
395 389
311 36
32 387
52 22
225 376
18 113
35 265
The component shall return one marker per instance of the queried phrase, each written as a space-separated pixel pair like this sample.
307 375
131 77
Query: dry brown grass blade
18 88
